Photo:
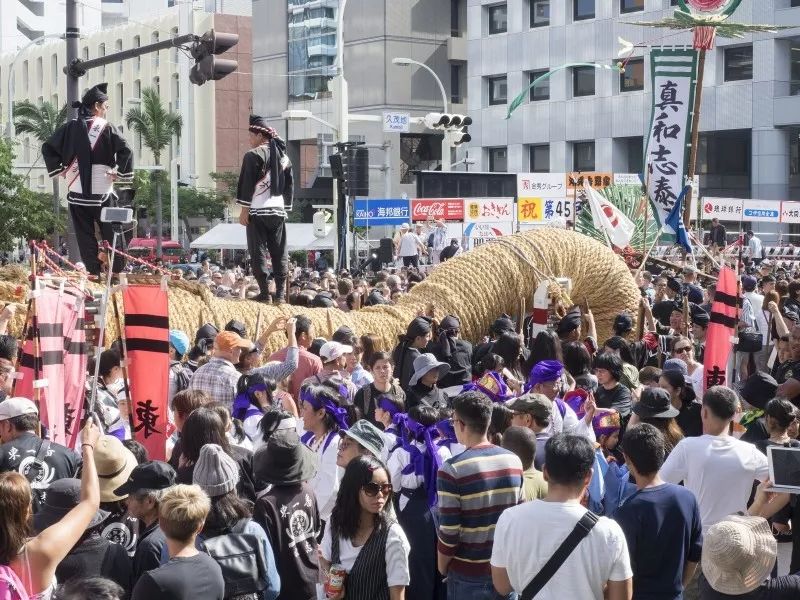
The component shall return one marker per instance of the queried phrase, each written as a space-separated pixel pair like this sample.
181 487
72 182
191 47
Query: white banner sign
396 122
476 234
541 185
672 72
724 209
489 210
627 179
790 212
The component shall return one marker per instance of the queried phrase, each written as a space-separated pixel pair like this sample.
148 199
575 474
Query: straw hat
114 465
738 554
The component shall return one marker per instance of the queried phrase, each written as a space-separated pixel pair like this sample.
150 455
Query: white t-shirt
397 549
326 482
409 244
719 471
528 534
399 460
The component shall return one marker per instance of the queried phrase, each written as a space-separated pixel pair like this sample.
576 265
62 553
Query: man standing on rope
91 154
265 192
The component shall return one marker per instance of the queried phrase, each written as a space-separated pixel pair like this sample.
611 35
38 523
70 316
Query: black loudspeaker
357 171
337 169
386 251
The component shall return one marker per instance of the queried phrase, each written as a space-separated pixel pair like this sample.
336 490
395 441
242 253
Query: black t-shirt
148 552
459 359
422 394
779 588
618 398
96 557
120 527
688 419
196 577
289 516
58 463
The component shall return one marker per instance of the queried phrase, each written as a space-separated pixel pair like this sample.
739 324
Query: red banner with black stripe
724 319
147 343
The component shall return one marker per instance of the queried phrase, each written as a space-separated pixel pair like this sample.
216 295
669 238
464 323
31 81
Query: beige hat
738 554
114 465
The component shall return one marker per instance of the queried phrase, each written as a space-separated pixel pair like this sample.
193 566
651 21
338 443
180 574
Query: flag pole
698 98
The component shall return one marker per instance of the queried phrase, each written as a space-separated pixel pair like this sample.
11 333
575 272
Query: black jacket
422 394
459 357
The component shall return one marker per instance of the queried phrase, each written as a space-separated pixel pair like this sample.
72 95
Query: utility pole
73 33
341 102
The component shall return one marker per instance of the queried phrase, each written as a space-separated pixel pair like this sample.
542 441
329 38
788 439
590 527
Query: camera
118 216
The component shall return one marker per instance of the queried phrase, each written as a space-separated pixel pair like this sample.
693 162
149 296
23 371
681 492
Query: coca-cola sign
447 209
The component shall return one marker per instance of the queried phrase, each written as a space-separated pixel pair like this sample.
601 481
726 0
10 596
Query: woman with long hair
545 346
370 343
655 408
410 346
509 347
255 395
204 426
32 561
323 418
682 397
683 348
578 365
363 538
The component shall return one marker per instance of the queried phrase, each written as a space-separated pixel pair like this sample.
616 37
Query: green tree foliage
23 213
154 123
39 120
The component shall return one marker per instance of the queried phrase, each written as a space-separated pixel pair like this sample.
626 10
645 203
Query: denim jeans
460 587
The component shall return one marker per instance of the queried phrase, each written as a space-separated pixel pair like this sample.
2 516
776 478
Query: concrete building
22 21
591 120
293 62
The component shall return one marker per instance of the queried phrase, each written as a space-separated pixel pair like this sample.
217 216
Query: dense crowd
541 462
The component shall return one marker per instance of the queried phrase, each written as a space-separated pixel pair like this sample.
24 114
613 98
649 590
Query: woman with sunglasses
362 537
683 398
683 348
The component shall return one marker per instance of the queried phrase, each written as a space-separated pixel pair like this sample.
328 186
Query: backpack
241 557
11 587
182 376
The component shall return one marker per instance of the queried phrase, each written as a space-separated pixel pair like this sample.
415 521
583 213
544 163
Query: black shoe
262 297
279 299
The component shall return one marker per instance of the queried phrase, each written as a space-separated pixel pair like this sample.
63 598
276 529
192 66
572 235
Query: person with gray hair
145 488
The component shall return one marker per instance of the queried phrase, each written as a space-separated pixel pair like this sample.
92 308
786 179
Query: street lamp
407 62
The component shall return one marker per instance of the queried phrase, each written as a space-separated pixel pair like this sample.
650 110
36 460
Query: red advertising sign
447 209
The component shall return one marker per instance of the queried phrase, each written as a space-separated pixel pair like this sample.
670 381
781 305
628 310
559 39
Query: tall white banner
673 74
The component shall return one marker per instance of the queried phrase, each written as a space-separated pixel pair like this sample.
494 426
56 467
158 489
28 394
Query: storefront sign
476 234
380 211
544 210
447 209
489 210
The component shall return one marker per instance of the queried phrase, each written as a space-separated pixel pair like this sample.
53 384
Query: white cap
16 407
333 350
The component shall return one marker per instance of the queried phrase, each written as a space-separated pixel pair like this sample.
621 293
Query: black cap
62 496
237 327
502 324
93 95
758 389
322 300
152 475
344 335
623 323
674 285
569 322
655 403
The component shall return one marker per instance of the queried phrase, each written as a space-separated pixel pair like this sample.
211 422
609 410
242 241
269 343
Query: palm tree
157 126
41 121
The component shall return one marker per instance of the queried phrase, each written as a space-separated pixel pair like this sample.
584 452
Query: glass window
54 68
154 40
540 158
738 63
635 148
540 13
628 6
583 9
137 42
583 81
498 20
542 89
632 79
455 83
498 160
498 90
583 156
118 48
794 58
455 24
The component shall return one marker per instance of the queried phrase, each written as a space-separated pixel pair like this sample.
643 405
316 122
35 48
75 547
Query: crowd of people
538 463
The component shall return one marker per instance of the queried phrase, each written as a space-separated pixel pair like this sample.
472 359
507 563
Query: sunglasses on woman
371 489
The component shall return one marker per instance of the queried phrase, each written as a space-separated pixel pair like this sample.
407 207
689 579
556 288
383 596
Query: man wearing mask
91 154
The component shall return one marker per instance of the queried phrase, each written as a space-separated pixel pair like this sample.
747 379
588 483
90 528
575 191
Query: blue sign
761 213
381 211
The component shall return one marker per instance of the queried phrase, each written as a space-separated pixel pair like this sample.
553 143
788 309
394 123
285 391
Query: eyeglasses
682 349
372 489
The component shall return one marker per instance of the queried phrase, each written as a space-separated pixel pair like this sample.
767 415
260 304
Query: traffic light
454 126
351 167
206 65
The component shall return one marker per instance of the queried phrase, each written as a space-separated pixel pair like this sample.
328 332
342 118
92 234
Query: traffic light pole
76 67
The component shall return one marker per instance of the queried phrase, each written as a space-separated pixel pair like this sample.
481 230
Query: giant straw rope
476 286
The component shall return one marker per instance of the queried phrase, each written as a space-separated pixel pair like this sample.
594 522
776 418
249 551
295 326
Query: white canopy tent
232 236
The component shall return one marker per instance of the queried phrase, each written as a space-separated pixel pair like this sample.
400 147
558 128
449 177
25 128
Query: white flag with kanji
608 218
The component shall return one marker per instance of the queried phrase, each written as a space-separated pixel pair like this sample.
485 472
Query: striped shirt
474 488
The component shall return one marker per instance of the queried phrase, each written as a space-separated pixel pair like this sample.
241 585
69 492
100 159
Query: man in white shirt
756 249
755 316
409 247
716 467
528 534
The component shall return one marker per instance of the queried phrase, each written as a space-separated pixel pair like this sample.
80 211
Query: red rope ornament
106 246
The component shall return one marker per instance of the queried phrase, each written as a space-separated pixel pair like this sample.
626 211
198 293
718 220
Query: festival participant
457 353
363 538
756 391
381 366
610 393
423 388
183 404
287 510
546 378
179 375
578 365
92 156
522 442
265 193
509 347
700 322
684 349
308 364
569 328
409 347
409 247
528 535
779 415
22 449
655 408
682 397
203 343
535 412
218 377
661 521
217 474
96 588
334 363
501 324
33 560
474 489
144 489
547 346
361 438
189 574
454 249
323 417
385 412
255 396
358 374
718 236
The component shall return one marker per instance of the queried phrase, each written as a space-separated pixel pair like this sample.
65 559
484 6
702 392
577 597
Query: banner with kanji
53 363
147 344
673 75
724 320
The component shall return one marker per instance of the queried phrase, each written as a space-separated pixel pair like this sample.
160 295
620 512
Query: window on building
583 156
39 73
632 80
539 158
583 9
498 160
137 43
173 34
635 150
155 55
498 19
629 6
794 76
118 48
540 13
120 100
582 81
54 68
54 101
137 89
542 89
455 18
795 3
455 83
157 85
85 53
101 51
176 90
25 81
498 90
738 63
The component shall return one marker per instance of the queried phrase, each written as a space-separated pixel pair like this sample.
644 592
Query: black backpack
241 557
182 376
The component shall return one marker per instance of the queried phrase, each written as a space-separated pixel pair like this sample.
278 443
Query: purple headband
426 464
242 401
605 422
338 414
544 370
385 404
491 384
